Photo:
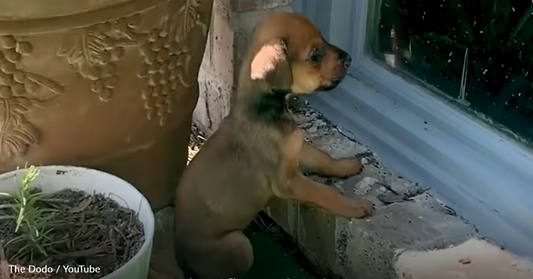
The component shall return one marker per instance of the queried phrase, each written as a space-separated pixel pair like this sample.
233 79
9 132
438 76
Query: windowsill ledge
483 177
384 245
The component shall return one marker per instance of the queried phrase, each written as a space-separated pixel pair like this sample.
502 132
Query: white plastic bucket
55 178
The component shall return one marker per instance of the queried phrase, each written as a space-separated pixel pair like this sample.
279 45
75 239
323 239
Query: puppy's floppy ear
271 65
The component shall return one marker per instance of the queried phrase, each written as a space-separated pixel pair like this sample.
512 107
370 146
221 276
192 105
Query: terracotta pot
107 84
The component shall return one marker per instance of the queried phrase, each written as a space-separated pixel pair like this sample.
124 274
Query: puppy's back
226 169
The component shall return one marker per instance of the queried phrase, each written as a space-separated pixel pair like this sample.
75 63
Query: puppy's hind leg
317 161
232 258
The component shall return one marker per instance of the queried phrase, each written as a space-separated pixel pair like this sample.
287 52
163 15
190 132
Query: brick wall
231 27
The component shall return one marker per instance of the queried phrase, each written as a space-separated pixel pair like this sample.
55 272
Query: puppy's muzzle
345 60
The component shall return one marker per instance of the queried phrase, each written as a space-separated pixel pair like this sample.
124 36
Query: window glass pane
479 52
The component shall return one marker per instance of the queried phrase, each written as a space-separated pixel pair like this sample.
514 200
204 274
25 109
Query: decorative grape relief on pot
19 92
95 50
166 59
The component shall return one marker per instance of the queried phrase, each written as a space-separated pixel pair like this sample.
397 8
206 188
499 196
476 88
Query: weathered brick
248 5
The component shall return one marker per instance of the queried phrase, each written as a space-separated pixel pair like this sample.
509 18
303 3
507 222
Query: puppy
258 152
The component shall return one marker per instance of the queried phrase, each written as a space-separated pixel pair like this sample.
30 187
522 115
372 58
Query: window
440 89
476 52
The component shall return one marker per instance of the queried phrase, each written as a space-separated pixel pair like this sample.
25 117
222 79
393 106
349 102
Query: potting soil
88 236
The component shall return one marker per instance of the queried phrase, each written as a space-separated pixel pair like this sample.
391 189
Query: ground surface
274 258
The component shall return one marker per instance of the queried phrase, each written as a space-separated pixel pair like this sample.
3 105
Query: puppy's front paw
360 208
346 167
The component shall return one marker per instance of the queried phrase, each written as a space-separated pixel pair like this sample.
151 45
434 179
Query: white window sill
486 177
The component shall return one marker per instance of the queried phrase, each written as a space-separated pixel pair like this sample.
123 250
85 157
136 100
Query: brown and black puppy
258 152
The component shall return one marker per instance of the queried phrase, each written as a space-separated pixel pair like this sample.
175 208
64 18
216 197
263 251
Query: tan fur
258 152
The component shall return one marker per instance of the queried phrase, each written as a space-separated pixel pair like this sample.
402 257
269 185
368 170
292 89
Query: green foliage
31 222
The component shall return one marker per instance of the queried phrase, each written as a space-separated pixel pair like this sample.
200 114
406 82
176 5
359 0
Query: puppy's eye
316 55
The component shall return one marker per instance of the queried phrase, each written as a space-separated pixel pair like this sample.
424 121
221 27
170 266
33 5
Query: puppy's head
289 54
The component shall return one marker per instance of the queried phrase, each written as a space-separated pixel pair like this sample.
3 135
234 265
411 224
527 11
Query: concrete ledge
387 244
475 258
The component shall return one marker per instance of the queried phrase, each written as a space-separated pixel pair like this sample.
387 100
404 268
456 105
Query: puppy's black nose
346 59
